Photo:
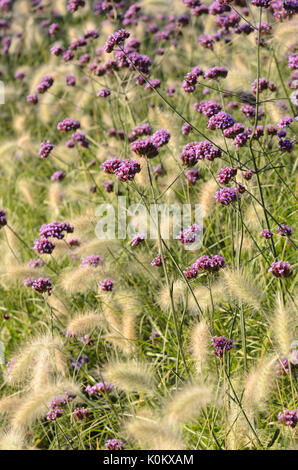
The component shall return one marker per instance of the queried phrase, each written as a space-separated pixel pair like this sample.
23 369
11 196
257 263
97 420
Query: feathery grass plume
9 404
84 224
179 293
259 385
22 366
131 376
84 323
239 434
152 433
186 404
206 198
241 287
81 279
35 405
42 371
254 216
12 440
284 32
55 197
200 340
104 247
112 312
283 327
129 332
202 294
128 301
12 241
25 189
59 307
18 273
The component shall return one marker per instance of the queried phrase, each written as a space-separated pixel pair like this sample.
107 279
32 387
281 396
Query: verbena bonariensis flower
289 417
205 264
283 366
58 176
285 122
285 230
35 263
87 340
29 281
73 242
114 444
206 41
192 176
216 72
106 284
154 83
57 50
99 388
55 413
68 124
70 80
45 83
127 170
43 246
109 166
293 62
42 285
145 148
137 239
266 233
45 149
54 28
262 3
3 220
92 260
264 84
160 137
81 413
116 39
186 128
209 108
234 130
226 174
189 235
280 269
74 5
247 175
221 345
157 261
226 196
55 230
80 139
104 93
109 186
241 139
221 120
143 129
78 363
195 151
286 145
32 99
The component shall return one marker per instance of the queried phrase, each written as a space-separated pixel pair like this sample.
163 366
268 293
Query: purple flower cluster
32 99
293 62
160 138
186 128
226 174
205 264
35 263
43 246
289 417
264 84
3 220
221 345
114 444
195 151
45 149
221 120
216 72
45 83
42 285
55 230
189 235
145 148
280 269
157 261
192 176
81 413
104 93
99 389
143 129
57 404
137 239
226 196
58 176
92 260
116 39
68 124
74 5
106 284
191 79
266 233
209 108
